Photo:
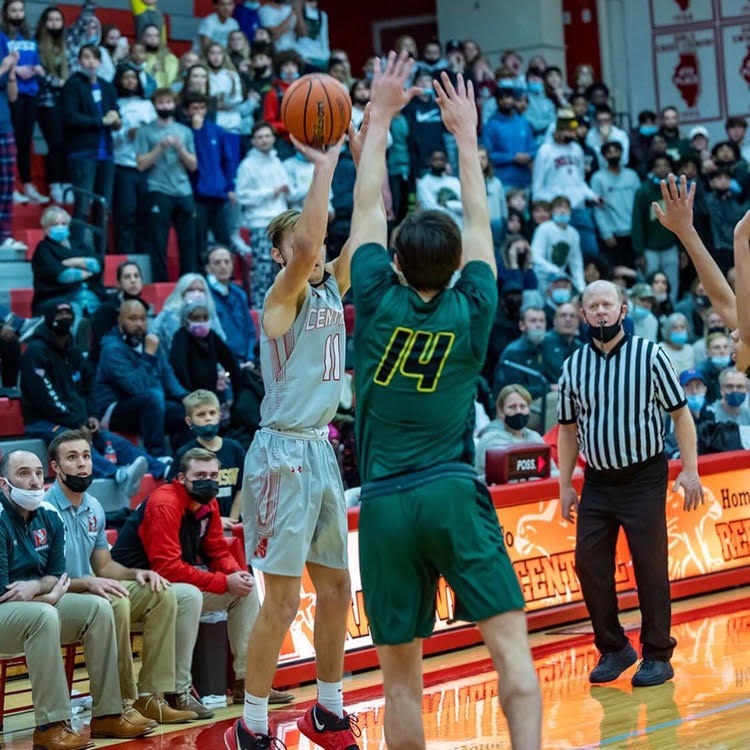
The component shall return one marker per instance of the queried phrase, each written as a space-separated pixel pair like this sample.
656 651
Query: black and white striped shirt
617 400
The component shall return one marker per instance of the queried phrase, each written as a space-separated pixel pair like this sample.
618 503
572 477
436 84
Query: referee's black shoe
652 672
612 664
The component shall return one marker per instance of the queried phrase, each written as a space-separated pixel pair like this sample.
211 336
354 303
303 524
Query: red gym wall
581 33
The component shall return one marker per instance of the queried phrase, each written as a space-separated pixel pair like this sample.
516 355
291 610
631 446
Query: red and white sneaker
239 737
328 731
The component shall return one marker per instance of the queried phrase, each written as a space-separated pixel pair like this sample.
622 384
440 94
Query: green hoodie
647 231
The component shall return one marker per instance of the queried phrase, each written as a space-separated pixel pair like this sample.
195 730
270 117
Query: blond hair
284 222
509 390
201 397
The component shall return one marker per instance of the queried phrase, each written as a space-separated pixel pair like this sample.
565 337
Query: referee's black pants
634 498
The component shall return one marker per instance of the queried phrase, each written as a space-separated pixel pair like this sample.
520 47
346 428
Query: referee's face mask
602 323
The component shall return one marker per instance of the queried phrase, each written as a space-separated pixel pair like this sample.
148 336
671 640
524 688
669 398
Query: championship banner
541 545
737 66
678 12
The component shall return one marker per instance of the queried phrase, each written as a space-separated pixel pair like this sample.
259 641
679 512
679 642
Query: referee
611 396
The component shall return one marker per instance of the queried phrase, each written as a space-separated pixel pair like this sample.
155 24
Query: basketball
316 109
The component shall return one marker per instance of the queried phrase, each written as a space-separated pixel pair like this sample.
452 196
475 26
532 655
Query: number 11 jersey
303 369
416 365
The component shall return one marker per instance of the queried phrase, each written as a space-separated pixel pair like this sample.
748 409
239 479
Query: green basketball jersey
416 365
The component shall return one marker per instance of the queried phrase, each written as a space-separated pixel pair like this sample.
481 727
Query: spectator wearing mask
197 352
438 191
146 14
725 209
669 129
191 287
90 114
525 351
131 185
23 109
654 246
165 150
226 88
38 615
698 139
605 131
431 58
426 128
713 324
64 269
287 67
693 384
281 20
660 287
262 188
313 45
541 111
736 128
559 171
216 27
56 390
515 263
693 306
213 180
674 334
510 142
556 246
640 311
590 157
640 137
161 64
50 37
114 47
718 358
725 155
231 304
137 59
136 391
261 61
134 594
614 218
178 533
559 343
202 415
559 291
509 427
496 198
733 405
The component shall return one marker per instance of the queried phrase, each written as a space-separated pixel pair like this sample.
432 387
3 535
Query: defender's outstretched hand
677 215
387 93
457 105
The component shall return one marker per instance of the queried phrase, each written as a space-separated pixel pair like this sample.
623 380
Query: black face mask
165 114
133 339
77 484
613 161
516 421
61 326
568 138
437 171
260 70
722 193
717 329
203 490
702 300
512 303
603 333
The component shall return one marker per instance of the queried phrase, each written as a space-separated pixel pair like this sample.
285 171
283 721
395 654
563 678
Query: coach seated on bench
136 390
513 406
37 615
178 533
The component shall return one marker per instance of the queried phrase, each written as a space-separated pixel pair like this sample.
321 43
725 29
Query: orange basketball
316 109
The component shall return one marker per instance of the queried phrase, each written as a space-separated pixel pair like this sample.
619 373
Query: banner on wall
677 12
686 74
735 8
541 546
737 67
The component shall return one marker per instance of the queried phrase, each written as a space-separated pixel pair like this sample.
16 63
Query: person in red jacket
287 66
178 533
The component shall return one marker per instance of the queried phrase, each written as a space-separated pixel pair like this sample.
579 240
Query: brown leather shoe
186 702
156 708
59 736
124 726
274 696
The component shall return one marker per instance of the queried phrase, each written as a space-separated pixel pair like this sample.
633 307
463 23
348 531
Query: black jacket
194 360
47 265
81 117
55 383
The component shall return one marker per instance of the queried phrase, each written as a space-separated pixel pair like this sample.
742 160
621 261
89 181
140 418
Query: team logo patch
262 549
40 538
92 523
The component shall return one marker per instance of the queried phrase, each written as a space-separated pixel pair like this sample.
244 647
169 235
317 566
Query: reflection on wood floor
707 705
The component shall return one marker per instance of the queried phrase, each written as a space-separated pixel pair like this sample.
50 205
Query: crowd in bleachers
150 143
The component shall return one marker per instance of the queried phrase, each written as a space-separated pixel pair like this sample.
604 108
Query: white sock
255 713
331 697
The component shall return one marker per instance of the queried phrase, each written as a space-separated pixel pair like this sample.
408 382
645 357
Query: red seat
110 268
237 544
173 256
20 302
112 535
156 293
31 238
148 485
11 417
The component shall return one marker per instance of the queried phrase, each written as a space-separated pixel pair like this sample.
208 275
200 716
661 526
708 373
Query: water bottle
110 454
